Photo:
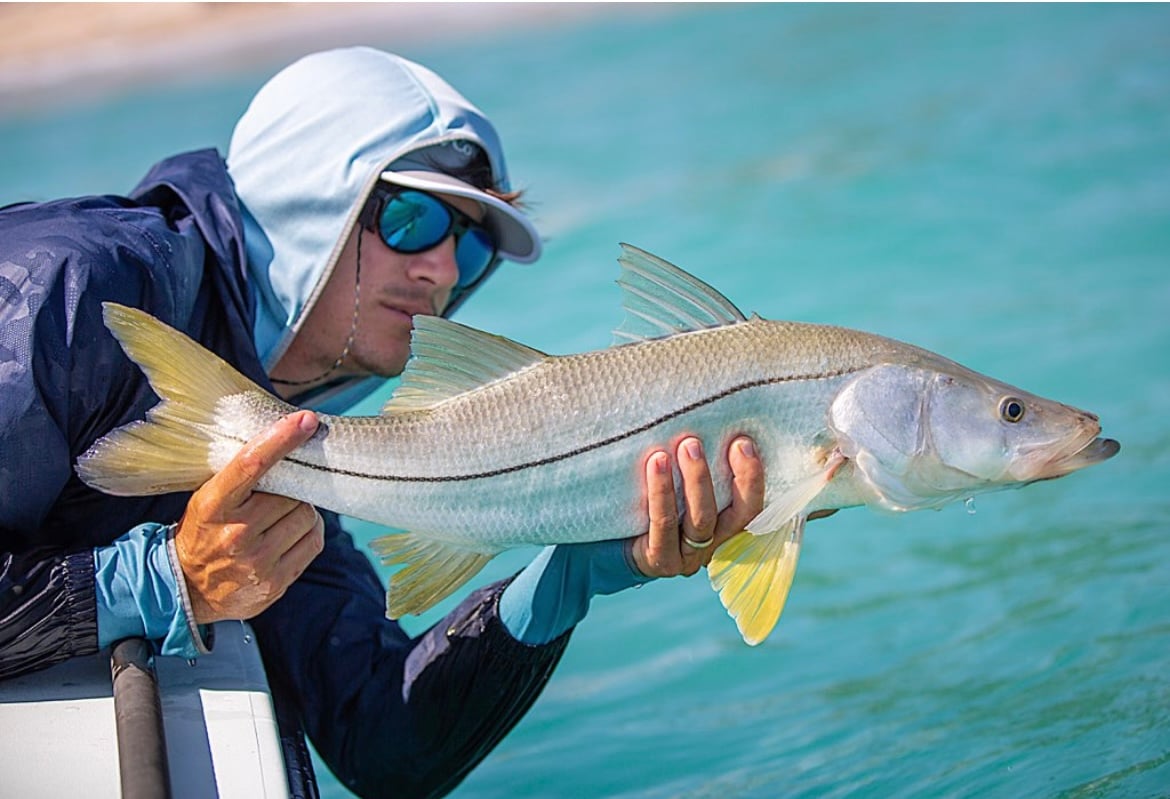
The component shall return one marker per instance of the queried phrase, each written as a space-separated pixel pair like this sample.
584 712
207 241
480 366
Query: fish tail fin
753 574
169 451
434 570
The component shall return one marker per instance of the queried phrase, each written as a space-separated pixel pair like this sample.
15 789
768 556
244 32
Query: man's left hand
664 551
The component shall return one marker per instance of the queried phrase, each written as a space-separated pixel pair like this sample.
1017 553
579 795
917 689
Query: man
359 189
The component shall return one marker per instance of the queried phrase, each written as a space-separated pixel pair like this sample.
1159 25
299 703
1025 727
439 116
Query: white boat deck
57 733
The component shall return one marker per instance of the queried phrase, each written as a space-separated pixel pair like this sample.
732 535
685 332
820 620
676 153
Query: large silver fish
488 444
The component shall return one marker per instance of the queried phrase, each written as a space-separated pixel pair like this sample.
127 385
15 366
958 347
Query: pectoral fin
753 574
434 570
778 512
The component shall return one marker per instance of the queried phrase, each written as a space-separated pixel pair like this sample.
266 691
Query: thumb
237 480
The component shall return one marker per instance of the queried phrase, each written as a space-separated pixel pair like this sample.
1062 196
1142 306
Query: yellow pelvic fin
168 452
753 574
434 570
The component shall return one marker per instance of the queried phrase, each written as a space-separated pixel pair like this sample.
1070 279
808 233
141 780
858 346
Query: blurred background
991 182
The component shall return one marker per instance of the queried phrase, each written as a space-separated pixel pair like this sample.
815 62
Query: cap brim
515 233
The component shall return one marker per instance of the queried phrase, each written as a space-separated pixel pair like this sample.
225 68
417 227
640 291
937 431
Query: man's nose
436 265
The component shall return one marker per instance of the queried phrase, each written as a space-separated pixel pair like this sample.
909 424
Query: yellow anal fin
753 574
434 570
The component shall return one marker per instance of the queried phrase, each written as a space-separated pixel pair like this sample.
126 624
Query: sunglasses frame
370 217
459 224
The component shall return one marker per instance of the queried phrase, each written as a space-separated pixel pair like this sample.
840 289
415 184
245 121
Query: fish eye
1011 409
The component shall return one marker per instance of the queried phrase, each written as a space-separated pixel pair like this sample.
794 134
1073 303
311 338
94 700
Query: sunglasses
411 221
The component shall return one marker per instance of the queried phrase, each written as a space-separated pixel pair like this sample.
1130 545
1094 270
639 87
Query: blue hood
307 152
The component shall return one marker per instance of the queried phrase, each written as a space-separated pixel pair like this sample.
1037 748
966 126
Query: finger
698 523
236 480
262 511
747 489
279 538
296 559
656 553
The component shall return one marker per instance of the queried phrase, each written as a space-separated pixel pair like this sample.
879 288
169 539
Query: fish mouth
1095 451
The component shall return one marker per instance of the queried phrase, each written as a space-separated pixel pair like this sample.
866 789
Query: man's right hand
240 550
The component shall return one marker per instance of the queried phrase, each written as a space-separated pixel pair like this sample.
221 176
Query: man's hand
240 550
663 551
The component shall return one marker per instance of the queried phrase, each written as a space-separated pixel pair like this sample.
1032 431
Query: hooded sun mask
308 151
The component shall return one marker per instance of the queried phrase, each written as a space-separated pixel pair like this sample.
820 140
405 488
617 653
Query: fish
487 444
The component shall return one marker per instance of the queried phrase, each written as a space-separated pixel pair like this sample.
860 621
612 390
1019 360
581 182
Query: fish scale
488 444
522 469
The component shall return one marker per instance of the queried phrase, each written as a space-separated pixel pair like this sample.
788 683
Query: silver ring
698 544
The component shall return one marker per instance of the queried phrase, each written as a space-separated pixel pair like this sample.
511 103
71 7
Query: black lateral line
581 450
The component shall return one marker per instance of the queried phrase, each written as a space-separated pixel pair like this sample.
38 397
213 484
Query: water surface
990 182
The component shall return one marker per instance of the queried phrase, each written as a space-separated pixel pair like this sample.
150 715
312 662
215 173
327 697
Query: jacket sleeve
391 715
47 606
63 382
47 610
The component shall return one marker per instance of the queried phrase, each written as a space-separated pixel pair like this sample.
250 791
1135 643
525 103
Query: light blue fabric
308 151
552 594
137 594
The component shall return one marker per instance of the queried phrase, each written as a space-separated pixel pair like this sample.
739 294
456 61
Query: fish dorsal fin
660 299
449 359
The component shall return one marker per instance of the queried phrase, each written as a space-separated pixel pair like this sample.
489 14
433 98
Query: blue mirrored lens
473 255
412 222
415 221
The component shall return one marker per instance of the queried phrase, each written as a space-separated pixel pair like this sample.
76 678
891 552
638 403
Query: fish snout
1087 422
1070 440
1096 451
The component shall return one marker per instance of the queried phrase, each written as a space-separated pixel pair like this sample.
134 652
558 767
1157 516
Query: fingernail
694 448
308 422
660 462
747 448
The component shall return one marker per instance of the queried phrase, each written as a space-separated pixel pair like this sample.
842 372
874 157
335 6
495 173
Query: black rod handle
142 746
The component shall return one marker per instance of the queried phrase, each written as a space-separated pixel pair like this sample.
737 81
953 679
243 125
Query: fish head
1007 436
922 435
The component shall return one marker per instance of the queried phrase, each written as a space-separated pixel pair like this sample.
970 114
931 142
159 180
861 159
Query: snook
488 444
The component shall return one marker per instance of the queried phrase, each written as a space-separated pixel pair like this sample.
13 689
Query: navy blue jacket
392 716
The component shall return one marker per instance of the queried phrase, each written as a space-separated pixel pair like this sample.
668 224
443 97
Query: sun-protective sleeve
552 594
141 593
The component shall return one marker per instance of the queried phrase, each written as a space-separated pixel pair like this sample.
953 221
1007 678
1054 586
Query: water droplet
191 662
970 503
247 633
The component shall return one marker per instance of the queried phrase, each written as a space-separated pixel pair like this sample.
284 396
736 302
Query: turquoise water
990 182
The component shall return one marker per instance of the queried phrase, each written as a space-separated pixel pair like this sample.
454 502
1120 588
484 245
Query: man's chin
388 367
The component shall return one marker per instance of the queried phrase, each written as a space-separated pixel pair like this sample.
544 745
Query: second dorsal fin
660 299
